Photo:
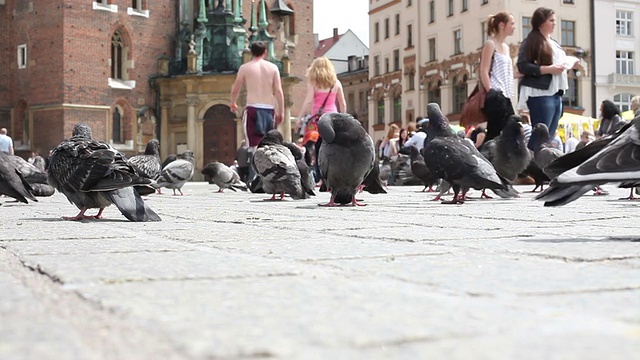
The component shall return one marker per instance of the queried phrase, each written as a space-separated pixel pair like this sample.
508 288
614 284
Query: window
459 93
411 81
567 1
117 46
22 56
465 5
351 101
362 97
376 32
104 5
386 65
623 101
568 33
386 28
432 11
376 65
624 62
570 97
526 26
290 24
624 23
484 2
136 5
116 125
396 60
397 109
434 95
380 119
137 8
450 13
409 3
483 32
397 24
457 42
409 36
432 49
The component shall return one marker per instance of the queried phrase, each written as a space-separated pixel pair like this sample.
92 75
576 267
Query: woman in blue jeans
542 64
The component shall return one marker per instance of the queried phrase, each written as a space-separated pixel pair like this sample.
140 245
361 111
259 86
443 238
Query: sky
342 14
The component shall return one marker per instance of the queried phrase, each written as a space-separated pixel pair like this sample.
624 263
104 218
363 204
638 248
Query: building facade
102 62
340 47
617 70
425 51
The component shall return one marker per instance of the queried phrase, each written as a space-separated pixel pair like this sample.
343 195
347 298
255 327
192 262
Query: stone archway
219 135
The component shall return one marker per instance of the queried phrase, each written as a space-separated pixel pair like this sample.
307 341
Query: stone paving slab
235 277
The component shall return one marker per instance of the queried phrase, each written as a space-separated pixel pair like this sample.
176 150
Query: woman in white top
543 64
496 72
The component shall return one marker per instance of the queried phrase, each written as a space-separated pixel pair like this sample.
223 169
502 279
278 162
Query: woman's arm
306 105
342 104
485 63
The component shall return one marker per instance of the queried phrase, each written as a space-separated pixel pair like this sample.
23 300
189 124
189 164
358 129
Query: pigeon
543 152
277 167
93 175
34 176
148 165
12 182
222 175
420 169
457 161
508 152
306 179
168 159
616 159
177 172
536 173
385 170
345 157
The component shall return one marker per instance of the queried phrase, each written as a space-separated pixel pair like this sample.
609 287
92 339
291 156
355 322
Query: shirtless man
264 95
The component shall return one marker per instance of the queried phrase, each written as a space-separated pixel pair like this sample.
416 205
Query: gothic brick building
99 62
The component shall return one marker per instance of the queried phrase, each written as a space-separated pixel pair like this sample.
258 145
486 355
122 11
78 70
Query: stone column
165 107
192 102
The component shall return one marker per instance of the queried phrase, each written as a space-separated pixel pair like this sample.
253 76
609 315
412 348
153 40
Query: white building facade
340 47
425 51
617 71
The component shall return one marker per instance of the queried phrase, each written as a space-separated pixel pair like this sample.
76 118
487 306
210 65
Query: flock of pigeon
93 175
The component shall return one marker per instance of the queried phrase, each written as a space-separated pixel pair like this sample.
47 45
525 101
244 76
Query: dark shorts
258 122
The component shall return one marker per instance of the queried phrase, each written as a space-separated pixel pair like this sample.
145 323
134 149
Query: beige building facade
425 51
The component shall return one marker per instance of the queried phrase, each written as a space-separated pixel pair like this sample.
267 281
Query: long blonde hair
321 73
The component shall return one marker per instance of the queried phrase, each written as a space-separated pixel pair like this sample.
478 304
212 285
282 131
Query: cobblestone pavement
230 276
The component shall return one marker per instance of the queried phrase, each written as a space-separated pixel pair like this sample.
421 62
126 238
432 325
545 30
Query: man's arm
279 95
235 90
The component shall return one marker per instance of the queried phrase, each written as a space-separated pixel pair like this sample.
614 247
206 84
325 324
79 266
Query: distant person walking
265 98
6 143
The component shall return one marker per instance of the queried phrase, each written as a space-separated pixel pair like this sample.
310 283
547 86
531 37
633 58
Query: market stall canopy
627 115
576 124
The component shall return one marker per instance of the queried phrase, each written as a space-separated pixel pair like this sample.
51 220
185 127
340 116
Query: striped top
502 74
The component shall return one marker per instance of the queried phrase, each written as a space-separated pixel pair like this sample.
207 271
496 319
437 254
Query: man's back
259 76
5 143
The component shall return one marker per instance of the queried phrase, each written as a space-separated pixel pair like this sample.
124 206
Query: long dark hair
609 109
538 49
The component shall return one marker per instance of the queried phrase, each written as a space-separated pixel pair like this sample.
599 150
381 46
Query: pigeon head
338 127
438 124
152 147
513 129
272 137
188 155
82 130
541 132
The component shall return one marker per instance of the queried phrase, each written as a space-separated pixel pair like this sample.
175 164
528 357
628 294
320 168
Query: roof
325 44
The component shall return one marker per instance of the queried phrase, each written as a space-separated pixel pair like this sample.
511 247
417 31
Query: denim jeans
546 110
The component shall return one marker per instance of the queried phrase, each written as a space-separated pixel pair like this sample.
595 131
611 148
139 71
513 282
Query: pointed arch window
117 50
116 125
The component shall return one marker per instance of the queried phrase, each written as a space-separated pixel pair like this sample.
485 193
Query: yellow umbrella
628 115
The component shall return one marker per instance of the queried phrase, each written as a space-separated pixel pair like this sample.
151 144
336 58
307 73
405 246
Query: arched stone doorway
219 135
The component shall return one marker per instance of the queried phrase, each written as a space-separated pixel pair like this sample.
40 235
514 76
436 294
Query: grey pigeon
345 157
508 151
306 178
222 175
34 176
543 152
617 160
457 161
168 159
277 167
148 165
93 175
177 172
12 183
420 169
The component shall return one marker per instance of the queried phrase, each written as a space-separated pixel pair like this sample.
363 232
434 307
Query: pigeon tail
562 195
131 205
